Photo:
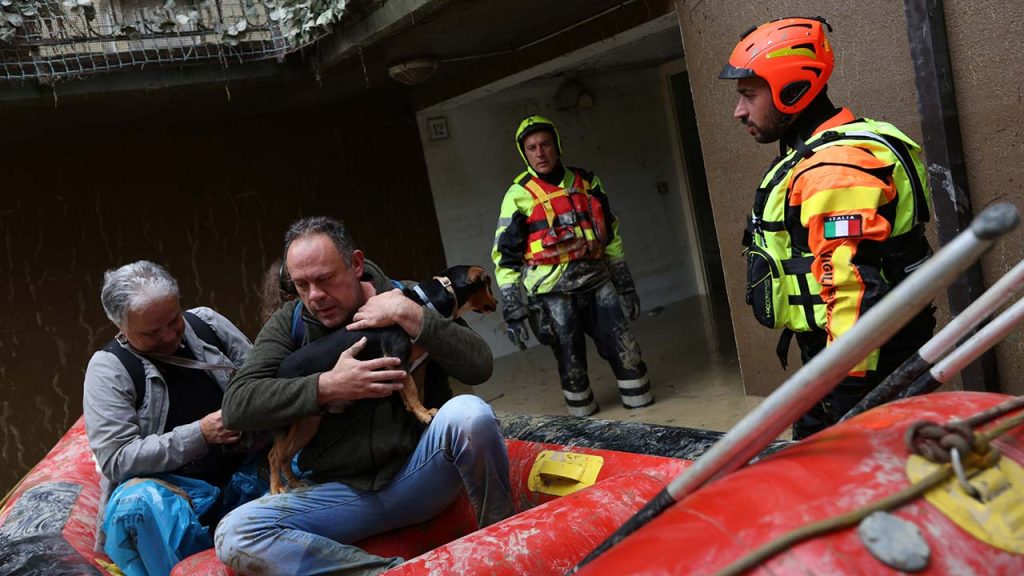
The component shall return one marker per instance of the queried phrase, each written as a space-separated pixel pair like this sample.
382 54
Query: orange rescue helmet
791 54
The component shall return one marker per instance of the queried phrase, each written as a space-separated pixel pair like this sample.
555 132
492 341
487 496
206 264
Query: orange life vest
565 223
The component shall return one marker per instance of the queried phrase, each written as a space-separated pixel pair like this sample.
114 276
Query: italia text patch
847 226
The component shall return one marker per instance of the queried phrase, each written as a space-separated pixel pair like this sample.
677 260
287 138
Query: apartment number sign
438 128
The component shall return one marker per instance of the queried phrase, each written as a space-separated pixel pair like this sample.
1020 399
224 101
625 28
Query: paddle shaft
896 383
968 352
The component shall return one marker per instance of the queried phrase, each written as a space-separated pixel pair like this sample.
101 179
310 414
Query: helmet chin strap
786 122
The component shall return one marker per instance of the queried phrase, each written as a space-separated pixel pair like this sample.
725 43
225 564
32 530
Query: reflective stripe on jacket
829 213
542 228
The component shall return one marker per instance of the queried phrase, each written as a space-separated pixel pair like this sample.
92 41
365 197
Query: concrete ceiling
653 50
640 44
468 28
477 43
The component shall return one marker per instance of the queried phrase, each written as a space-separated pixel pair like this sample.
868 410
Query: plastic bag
245 485
150 527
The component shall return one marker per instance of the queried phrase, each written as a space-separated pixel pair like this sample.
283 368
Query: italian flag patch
848 226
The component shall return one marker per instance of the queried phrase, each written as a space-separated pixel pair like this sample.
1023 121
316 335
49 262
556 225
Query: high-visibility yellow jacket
544 230
836 223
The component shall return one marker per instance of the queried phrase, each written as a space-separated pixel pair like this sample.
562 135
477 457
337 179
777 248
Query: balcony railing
50 40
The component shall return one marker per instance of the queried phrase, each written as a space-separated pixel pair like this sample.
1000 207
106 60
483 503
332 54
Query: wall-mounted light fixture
413 72
572 95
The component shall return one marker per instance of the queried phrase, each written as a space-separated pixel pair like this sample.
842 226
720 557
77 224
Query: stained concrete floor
691 358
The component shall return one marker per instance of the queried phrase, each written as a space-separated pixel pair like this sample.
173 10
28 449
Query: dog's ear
482 298
477 274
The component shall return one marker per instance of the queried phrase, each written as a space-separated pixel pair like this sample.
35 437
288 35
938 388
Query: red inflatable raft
47 525
841 469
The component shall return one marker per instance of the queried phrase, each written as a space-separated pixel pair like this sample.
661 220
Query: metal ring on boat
960 475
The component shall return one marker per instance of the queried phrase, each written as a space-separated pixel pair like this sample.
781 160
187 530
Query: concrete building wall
623 138
874 76
210 198
986 57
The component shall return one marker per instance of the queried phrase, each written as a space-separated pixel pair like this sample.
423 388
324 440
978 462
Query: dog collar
438 294
446 283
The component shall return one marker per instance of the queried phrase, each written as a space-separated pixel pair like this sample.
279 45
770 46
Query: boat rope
936 442
986 416
980 456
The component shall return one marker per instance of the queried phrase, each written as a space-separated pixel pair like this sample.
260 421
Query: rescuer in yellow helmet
558 238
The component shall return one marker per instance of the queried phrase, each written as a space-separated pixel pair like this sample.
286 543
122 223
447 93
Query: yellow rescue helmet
532 124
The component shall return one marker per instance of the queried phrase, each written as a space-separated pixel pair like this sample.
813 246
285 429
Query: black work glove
514 311
517 333
624 285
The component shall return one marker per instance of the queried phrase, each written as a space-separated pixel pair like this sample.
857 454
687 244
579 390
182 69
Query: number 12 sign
438 127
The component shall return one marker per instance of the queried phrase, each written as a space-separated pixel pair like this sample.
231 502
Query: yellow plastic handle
551 471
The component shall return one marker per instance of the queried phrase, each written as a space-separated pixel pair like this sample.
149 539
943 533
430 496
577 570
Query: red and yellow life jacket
565 223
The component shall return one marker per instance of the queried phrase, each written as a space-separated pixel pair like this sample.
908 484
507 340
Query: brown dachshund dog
454 292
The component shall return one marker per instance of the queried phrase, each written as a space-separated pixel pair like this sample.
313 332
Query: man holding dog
838 218
151 401
558 238
374 465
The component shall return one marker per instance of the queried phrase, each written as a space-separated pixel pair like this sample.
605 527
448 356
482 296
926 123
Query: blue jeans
310 530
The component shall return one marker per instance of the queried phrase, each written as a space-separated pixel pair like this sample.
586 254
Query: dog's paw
426 416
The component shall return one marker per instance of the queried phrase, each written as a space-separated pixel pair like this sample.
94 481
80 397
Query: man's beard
772 133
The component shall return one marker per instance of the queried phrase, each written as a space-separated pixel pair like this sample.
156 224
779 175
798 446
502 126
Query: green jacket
368 443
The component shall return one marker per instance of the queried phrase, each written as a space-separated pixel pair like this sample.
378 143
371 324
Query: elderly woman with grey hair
152 401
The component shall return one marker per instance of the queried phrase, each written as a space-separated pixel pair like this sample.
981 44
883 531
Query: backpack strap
134 367
298 326
801 151
902 153
204 331
132 363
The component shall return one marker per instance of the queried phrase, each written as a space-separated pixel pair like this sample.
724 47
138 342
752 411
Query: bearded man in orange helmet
838 218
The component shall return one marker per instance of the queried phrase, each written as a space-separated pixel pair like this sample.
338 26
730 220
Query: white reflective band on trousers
635 400
582 411
577 395
631 384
